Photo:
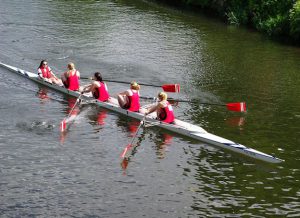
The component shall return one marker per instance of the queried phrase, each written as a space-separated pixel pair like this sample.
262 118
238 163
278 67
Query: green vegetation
277 18
294 17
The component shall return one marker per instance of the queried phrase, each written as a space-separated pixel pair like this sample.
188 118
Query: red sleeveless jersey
73 82
101 93
134 100
166 114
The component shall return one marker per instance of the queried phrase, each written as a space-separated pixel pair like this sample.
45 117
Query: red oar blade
125 150
171 87
63 125
240 106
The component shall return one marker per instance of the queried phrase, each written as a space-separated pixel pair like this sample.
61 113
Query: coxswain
71 78
98 88
130 99
45 73
163 109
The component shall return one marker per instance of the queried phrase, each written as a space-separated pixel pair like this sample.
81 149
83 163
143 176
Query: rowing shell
179 126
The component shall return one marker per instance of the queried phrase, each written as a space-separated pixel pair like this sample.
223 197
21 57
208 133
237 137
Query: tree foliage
295 21
280 18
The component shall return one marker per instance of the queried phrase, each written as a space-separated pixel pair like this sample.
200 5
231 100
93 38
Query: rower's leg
123 101
57 81
113 101
143 110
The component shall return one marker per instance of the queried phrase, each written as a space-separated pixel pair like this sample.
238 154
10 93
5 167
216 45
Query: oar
63 124
165 87
235 106
123 154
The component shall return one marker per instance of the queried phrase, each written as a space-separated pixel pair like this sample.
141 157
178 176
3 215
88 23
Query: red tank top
166 114
73 82
134 100
101 93
45 72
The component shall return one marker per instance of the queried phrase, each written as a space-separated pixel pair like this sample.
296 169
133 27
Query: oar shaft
63 124
236 106
165 87
129 146
124 82
181 100
141 123
196 102
77 100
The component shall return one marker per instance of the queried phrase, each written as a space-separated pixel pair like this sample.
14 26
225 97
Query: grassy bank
277 18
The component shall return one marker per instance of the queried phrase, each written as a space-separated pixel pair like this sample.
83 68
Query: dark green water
44 174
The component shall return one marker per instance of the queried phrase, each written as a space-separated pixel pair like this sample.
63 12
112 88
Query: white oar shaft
141 123
77 100
63 124
129 146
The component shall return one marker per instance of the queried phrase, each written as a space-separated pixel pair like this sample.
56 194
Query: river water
78 174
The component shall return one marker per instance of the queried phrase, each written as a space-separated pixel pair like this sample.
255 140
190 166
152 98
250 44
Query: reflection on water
73 106
131 126
161 140
63 136
101 117
42 94
236 121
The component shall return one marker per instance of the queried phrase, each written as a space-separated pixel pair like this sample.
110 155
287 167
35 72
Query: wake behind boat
179 126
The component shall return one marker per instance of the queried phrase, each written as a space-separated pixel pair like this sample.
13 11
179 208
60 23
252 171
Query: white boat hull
180 127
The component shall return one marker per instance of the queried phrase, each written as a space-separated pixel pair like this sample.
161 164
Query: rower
130 99
45 73
163 109
98 88
71 78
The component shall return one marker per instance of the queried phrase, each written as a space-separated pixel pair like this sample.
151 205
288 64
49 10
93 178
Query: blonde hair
163 95
71 66
134 85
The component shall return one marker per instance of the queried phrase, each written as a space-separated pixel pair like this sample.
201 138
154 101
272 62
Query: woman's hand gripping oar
63 124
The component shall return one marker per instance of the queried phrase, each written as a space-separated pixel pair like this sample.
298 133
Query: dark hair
41 64
98 76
